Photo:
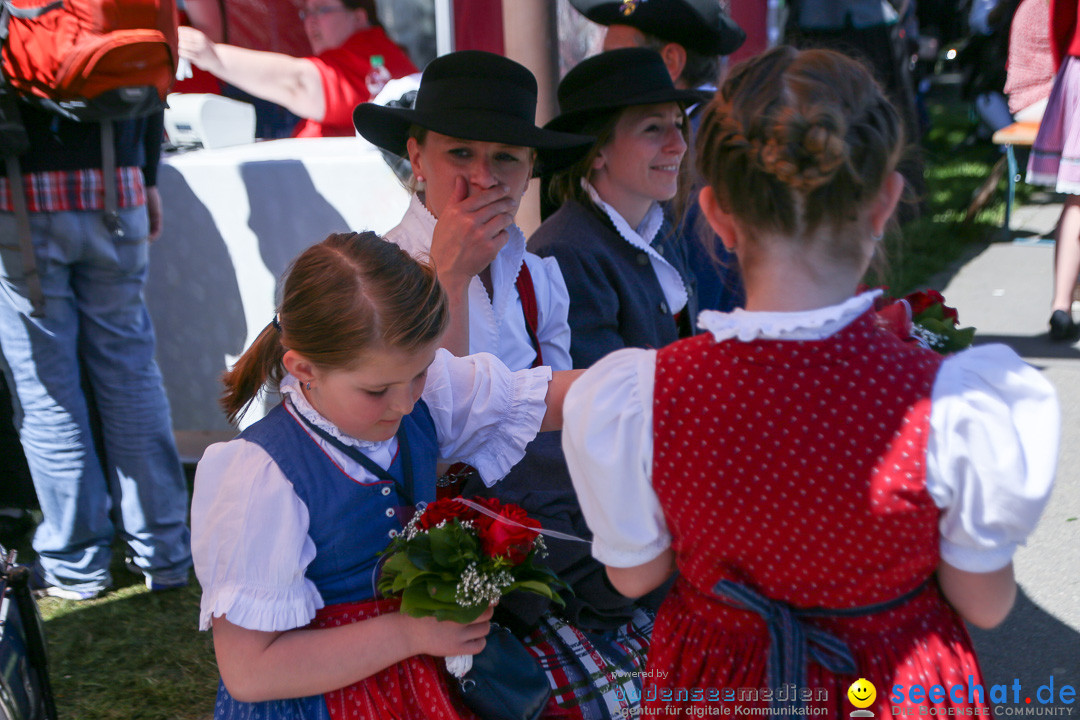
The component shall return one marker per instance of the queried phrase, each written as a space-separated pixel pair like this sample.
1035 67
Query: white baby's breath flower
477 588
928 338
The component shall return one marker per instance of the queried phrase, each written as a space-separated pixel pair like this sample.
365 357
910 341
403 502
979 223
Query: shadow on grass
131 654
928 252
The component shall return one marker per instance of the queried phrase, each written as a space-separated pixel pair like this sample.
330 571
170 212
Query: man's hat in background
698 25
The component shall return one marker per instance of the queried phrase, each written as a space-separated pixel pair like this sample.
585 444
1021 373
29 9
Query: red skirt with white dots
413 689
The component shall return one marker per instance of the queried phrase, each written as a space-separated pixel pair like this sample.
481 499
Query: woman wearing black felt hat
473 144
626 269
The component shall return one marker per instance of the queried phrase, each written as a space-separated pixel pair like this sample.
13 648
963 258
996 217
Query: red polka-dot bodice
798 466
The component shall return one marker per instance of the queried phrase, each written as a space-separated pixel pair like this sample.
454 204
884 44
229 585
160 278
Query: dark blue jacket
615 299
60 144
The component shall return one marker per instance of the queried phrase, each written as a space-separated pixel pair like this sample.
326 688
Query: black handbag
505 682
25 688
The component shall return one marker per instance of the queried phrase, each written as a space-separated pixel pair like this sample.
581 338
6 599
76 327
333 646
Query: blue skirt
306 708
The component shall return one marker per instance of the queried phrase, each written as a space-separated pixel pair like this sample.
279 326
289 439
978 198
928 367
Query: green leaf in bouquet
417 602
392 570
423 562
950 338
421 577
453 547
397 564
530 569
419 552
463 615
963 337
933 312
396 545
538 587
398 573
442 590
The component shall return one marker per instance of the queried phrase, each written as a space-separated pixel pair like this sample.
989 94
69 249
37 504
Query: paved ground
1004 291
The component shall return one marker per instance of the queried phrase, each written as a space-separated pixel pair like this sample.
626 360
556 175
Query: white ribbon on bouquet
459 665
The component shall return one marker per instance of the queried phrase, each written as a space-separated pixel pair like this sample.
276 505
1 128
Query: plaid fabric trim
74 190
594 676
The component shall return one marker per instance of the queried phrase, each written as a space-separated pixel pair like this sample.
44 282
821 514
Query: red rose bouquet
457 557
924 318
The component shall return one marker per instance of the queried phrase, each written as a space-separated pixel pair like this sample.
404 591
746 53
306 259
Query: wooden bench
1019 133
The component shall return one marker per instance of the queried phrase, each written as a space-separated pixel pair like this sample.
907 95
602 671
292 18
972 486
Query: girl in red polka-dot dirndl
836 500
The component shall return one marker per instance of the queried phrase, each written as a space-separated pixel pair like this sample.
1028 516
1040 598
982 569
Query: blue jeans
96 329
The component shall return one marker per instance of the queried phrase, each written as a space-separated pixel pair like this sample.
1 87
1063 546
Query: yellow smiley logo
862 693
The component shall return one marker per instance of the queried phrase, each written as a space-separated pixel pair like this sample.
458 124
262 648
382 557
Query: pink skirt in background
1055 156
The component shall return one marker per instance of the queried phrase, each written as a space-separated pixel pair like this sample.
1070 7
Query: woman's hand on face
471 231
198 48
443 638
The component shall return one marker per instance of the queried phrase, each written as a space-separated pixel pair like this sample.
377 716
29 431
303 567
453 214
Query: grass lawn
954 170
138 656
130 654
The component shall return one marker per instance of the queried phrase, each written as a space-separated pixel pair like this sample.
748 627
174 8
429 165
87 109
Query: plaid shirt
73 190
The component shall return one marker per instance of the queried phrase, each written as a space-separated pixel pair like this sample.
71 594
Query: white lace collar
290 388
806 325
671 281
424 218
643 234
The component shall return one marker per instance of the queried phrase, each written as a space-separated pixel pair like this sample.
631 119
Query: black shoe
15 525
1062 326
156 584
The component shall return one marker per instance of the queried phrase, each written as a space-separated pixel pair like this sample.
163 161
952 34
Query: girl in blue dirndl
289 518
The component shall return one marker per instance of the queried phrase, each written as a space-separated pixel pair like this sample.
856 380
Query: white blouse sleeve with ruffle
249 540
485 414
991 454
608 442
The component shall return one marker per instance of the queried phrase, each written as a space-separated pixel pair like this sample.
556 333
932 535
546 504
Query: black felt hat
615 79
473 95
698 25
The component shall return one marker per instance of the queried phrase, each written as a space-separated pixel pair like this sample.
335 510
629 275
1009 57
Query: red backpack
90 59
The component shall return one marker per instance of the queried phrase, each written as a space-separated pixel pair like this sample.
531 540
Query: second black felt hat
615 79
698 25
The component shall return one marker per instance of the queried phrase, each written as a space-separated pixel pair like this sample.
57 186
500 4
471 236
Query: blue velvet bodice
350 521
